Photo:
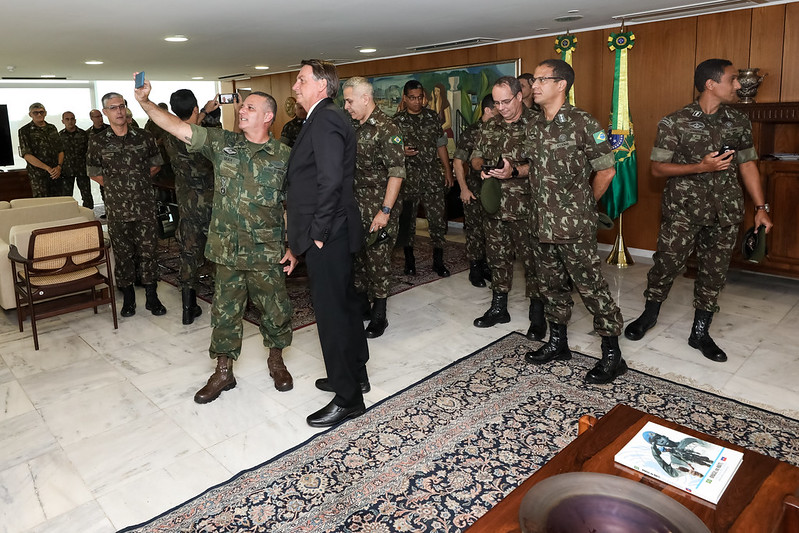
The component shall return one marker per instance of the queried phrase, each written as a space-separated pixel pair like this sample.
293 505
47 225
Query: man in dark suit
324 224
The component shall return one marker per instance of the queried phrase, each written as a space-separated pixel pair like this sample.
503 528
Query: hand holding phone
488 167
723 150
228 98
139 80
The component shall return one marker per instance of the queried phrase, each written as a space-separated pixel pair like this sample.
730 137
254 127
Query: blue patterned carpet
440 454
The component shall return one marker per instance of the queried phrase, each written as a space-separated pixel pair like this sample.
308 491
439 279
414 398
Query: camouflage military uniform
424 178
76 143
290 131
124 163
473 212
246 238
380 156
194 188
94 131
166 173
700 211
564 153
45 144
507 231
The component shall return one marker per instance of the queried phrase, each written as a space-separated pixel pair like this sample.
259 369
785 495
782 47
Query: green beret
753 247
604 221
490 195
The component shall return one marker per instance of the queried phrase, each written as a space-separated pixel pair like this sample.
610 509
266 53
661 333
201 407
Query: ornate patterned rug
297 283
440 454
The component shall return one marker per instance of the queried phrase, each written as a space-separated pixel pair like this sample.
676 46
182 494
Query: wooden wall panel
768 31
790 53
724 35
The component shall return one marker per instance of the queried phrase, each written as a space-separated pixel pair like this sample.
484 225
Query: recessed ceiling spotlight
261 67
541 29
573 11
48 76
197 78
176 39
367 50
568 18
93 62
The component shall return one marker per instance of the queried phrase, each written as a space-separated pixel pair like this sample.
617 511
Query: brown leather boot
278 370
221 380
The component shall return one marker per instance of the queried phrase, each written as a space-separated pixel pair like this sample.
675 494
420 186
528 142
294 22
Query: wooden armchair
66 269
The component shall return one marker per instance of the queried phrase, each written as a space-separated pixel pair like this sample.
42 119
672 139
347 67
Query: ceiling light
367 50
568 18
261 67
176 39
48 75
93 62
197 78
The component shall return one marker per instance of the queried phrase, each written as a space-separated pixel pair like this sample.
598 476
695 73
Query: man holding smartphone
701 149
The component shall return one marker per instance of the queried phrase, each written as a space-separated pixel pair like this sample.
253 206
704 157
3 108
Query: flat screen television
6 150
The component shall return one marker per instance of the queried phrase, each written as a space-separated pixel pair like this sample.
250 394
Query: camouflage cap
753 247
490 195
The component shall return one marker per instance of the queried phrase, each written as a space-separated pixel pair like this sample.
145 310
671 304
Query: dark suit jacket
319 180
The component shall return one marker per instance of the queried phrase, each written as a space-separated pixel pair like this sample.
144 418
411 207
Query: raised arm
164 119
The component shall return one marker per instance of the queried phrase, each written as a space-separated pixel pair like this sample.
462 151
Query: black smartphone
139 81
228 98
499 164
723 150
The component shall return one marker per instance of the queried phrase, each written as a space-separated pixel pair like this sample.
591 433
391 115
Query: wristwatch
763 207
515 173
386 209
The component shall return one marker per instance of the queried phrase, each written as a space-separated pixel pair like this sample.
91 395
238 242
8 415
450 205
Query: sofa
19 218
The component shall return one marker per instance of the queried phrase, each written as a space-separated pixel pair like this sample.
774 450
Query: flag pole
620 255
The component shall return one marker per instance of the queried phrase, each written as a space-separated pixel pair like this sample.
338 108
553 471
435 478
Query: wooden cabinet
14 184
775 128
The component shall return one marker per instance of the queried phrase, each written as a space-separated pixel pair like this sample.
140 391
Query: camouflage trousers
85 188
474 224
507 240
372 264
134 242
45 186
232 289
579 262
435 211
192 234
676 240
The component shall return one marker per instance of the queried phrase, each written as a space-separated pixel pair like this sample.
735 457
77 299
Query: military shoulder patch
395 139
600 137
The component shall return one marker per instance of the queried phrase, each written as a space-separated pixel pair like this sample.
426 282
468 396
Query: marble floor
98 429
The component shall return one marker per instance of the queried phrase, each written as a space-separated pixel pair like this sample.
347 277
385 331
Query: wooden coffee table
762 497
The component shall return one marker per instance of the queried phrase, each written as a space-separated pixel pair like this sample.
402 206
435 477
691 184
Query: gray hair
359 82
108 96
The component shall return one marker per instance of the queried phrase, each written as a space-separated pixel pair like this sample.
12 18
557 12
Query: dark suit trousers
338 318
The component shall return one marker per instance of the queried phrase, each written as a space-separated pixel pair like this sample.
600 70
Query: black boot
485 269
364 305
379 322
637 328
497 313
557 347
153 304
538 325
476 274
190 308
129 302
610 366
438 263
700 338
410 261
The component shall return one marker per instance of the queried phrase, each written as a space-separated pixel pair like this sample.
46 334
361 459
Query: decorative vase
749 81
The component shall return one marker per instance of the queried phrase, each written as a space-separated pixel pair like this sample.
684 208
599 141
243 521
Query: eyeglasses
543 79
414 97
39 112
503 103
116 107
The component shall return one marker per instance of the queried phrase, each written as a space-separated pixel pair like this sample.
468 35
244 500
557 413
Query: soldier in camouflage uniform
194 189
40 145
76 143
425 146
567 146
703 203
97 126
292 128
246 238
379 171
124 160
470 184
507 230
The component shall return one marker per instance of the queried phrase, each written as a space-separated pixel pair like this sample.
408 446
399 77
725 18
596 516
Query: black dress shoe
332 414
322 384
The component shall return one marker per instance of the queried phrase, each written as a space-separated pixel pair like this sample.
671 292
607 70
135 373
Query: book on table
694 465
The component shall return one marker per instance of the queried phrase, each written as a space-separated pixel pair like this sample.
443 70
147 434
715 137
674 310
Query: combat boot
538 324
438 263
476 274
278 371
410 261
610 366
221 380
700 338
129 302
379 321
497 313
153 304
637 328
557 347
190 308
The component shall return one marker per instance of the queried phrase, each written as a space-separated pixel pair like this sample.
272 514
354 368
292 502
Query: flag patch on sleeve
600 137
396 139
